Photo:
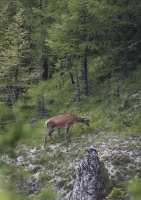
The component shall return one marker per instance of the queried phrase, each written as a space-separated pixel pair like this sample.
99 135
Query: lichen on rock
87 185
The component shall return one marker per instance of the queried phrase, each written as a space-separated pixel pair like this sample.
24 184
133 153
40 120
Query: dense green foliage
77 56
41 37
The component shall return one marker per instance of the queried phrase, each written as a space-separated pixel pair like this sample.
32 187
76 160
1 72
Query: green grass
105 115
110 114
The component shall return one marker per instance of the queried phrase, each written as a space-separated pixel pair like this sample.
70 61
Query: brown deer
61 121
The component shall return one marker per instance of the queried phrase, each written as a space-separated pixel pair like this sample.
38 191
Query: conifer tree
122 27
39 16
75 35
15 68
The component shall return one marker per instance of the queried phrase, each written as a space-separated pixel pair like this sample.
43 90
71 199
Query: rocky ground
56 164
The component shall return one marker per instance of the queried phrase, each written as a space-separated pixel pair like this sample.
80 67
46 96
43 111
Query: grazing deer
62 121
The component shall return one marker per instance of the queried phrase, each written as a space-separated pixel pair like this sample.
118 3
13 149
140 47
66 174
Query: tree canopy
37 36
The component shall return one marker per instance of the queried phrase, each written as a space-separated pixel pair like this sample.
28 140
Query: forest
68 56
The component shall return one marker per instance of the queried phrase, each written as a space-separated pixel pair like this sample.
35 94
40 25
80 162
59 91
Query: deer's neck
79 119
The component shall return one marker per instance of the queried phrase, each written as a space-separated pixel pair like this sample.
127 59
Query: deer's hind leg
49 132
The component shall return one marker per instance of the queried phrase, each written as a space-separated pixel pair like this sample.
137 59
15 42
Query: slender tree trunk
16 87
125 52
71 77
11 97
40 4
86 91
78 89
45 69
138 38
78 93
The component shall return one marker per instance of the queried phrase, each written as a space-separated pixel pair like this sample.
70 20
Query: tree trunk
72 79
16 92
125 52
11 96
45 69
138 37
40 4
86 91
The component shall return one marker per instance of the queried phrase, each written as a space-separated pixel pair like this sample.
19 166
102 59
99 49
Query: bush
116 194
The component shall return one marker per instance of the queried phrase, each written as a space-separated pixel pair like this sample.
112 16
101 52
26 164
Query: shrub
116 194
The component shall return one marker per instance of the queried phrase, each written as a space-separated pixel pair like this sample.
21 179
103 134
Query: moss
80 153
105 157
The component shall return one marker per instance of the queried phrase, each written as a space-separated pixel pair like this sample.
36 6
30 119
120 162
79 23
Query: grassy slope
112 105
114 131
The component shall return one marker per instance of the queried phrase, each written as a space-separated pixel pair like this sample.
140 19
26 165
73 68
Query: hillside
114 132
80 57
37 167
